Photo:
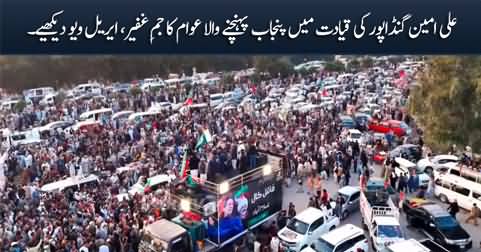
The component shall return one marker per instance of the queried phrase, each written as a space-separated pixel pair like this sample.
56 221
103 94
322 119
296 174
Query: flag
184 166
192 182
253 89
204 139
324 93
189 100
386 179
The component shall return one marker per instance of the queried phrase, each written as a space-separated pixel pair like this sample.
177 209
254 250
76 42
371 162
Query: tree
353 65
20 106
274 65
228 81
60 97
334 66
366 62
447 104
135 91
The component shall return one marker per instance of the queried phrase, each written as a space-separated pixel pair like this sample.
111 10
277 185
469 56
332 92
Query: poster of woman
229 223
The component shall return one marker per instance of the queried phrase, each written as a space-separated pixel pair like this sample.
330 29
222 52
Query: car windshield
297 226
356 135
389 231
321 245
216 97
446 222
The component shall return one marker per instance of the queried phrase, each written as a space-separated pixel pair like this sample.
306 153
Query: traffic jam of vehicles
182 165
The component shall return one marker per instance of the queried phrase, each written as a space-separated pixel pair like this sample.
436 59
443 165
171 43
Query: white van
413 245
96 115
48 100
302 230
24 137
216 99
407 167
88 89
38 93
354 135
11 104
456 170
449 188
150 83
345 238
142 116
61 185
121 117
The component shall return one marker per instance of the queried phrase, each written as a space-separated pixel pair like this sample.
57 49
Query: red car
379 157
398 128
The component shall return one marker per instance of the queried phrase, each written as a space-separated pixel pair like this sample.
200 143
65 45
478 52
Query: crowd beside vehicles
103 163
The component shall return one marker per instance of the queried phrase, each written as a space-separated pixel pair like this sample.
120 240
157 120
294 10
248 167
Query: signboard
265 199
244 207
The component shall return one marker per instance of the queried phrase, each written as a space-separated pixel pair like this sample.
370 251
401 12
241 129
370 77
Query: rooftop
342 233
309 215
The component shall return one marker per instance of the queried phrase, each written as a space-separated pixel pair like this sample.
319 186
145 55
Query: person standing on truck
282 219
291 213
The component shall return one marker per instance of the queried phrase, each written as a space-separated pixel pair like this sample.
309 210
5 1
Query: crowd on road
92 218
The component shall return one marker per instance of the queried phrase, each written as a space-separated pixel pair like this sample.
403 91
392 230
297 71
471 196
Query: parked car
436 222
122 87
362 121
347 122
380 216
216 99
302 230
456 170
348 238
350 195
430 164
398 128
412 245
449 187
354 135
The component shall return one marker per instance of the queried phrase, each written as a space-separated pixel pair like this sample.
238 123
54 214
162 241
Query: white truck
380 217
306 227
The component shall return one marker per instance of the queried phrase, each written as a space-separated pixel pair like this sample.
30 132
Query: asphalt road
300 200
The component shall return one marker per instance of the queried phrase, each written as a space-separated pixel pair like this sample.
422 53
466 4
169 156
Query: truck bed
377 204
376 198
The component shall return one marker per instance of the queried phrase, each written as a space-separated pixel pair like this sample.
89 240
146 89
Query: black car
437 224
433 246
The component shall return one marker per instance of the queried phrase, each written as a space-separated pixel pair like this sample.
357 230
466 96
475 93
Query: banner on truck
243 208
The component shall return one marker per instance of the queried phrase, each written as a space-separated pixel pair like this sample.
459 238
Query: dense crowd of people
94 219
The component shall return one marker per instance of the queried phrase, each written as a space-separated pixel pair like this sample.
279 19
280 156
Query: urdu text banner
214 26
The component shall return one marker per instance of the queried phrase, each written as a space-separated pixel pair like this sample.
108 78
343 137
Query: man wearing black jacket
364 159
244 162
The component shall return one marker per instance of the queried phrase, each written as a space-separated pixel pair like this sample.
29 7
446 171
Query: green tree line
21 72
447 103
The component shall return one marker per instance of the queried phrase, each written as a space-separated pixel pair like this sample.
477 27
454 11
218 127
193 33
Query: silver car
350 195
